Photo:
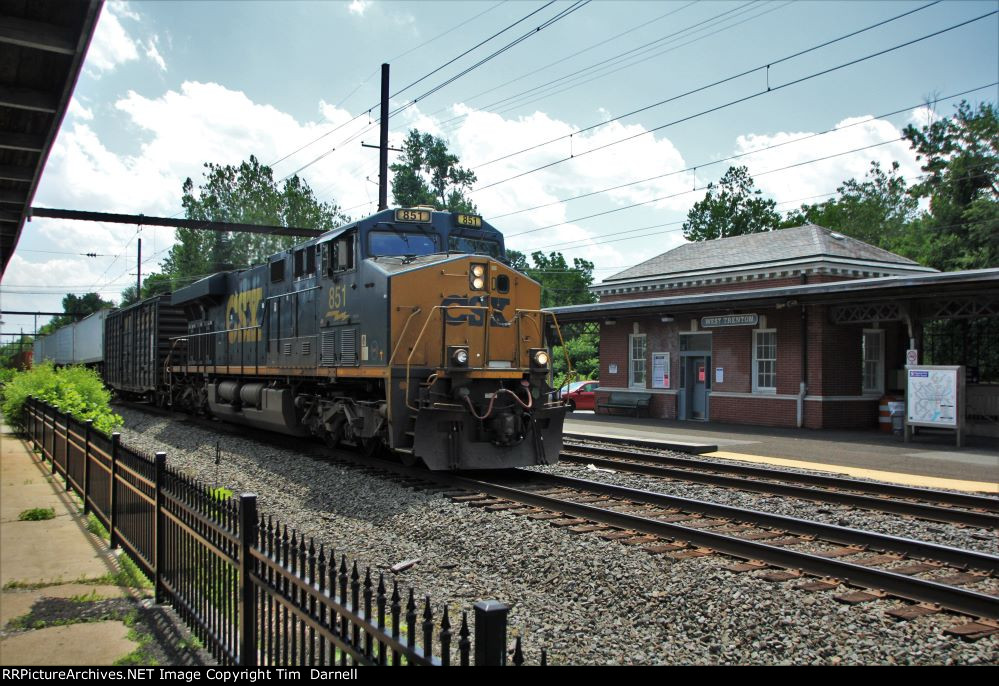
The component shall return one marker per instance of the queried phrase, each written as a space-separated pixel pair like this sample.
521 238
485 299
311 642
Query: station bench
627 401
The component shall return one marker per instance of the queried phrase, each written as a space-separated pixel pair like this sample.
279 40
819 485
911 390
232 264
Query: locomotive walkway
931 461
58 576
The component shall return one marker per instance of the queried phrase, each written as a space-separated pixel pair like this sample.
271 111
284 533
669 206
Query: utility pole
383 143
138 273
383 146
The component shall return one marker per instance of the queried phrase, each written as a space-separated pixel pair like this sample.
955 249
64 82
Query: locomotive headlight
477 277
457 356
539 358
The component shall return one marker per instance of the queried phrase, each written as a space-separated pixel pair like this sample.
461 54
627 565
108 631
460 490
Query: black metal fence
252 590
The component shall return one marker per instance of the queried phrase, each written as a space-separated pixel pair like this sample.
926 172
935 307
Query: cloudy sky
168 86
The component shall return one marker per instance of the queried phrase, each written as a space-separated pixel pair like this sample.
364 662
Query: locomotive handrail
419 338
416 310
570 373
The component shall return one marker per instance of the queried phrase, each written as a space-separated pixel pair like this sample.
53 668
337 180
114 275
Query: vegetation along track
940 506
685 527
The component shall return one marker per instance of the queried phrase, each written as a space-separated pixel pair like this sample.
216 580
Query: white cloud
78 110
153 53
823 176
359 7
111 45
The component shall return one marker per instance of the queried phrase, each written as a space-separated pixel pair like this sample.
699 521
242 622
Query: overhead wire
768 90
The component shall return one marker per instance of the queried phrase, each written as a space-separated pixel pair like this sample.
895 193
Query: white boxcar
88 344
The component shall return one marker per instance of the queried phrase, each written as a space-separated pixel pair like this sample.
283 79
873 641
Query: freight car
81 342
137 341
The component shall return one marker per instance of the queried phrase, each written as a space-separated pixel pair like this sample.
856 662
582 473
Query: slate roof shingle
758 249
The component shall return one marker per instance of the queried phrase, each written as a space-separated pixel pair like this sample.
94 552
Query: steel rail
919 590
968 500
692 473
968 559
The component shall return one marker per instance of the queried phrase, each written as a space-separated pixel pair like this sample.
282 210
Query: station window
636 360
873 354
765 361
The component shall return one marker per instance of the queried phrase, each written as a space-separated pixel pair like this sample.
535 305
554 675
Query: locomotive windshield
473 246
391 243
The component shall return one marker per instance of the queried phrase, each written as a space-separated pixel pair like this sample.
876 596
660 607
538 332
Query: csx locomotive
405 330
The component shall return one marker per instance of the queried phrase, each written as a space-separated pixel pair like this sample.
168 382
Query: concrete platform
930 461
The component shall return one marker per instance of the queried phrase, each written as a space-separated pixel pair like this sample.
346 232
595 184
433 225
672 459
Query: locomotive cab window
392 243
473 246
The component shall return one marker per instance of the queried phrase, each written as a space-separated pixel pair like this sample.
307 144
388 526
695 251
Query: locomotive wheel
331 439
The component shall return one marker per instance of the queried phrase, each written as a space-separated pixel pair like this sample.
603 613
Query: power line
695 167
696 189
712 85
730 103
620 57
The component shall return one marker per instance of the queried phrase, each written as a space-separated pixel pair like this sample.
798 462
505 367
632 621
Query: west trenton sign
730 320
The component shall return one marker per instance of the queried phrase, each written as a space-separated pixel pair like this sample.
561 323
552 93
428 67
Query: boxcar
137 341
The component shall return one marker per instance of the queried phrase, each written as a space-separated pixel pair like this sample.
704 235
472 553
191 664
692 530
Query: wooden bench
627 401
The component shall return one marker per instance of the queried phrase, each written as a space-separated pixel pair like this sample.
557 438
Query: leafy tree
154 284
427 174
878 210
246 194
560 283
961 156
584 356
734 207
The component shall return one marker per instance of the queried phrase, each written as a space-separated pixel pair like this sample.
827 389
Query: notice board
934 396
660 370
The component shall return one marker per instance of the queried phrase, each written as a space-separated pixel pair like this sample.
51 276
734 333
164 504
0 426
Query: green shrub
76 390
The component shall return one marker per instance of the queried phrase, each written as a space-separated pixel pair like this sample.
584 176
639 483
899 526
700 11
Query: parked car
582 398
569 387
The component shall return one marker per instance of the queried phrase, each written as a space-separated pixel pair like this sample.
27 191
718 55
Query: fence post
112 515
159 545
66 452
247 589
89 426
490 633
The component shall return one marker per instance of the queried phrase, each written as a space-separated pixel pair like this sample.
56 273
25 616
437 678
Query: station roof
42 46
975 282
758 251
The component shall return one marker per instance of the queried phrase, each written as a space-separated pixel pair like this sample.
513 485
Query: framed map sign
935 397
660 370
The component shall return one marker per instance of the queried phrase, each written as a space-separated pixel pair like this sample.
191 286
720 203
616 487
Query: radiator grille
348 346
327 355
286 348
306 347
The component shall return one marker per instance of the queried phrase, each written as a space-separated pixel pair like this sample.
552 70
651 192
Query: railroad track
685 527
933 505
681 527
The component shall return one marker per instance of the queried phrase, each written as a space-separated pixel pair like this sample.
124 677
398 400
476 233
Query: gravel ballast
587 601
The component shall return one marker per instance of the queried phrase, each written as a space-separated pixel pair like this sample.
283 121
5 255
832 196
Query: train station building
797 327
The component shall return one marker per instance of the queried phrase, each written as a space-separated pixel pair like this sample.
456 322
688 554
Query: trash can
897 417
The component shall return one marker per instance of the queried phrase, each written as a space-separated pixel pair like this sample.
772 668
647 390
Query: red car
583 398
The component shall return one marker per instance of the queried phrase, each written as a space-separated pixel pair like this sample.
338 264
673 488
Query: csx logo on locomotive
241 313
473 317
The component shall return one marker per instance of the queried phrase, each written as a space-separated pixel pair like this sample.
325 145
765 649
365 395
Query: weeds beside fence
252 590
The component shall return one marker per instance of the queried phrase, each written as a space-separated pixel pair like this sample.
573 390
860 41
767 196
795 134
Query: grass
129 575
141 655
37 514
91 597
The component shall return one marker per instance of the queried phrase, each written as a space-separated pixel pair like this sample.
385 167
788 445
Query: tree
734 207
878 210
961 156
245 194
427 174
154 284
560 283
